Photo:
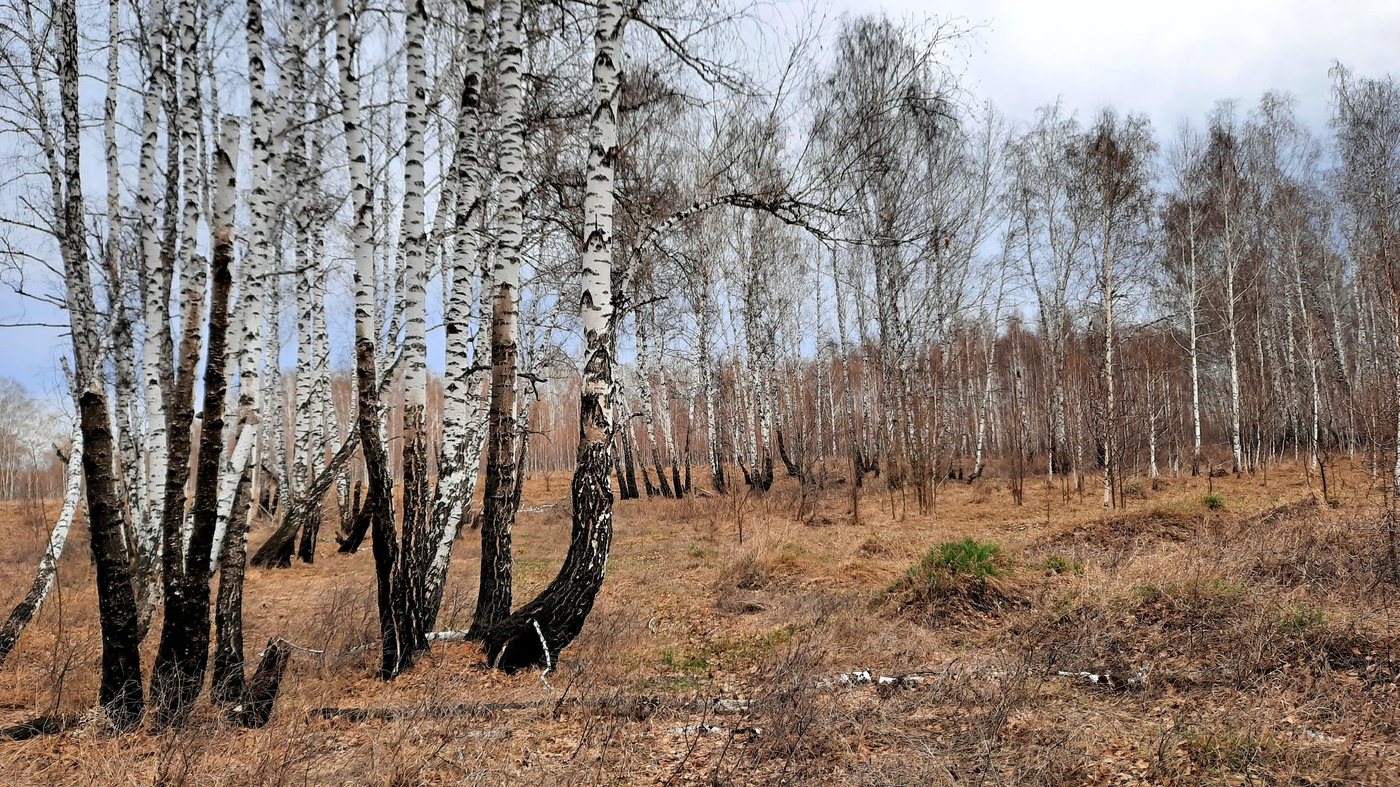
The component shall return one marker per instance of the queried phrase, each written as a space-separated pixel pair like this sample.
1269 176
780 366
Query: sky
1172 61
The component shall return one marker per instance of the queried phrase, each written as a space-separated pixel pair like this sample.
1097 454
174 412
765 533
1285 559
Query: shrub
1213 502
954 574
966 557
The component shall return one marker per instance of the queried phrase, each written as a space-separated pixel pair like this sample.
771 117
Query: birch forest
929 445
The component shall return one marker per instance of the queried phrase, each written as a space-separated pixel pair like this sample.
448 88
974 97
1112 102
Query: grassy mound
955 577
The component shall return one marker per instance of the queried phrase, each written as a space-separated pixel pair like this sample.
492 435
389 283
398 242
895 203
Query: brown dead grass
1269 635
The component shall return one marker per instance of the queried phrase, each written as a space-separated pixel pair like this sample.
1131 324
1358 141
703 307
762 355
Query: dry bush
344 624
763 564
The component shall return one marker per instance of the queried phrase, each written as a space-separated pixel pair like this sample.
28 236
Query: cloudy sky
1171 60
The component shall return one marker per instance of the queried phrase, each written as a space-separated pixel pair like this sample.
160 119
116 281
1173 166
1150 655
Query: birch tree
538 631
493 601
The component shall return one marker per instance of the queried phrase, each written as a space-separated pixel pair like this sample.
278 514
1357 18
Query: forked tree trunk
538 631
415 549
177 676
194 275
120 691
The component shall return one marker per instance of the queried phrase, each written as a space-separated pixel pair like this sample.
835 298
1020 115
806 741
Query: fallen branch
635 706
1107 680
423 712
43 725
866 678
711 729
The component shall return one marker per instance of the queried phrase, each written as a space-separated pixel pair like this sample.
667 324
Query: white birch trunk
1314 449
233 469
194 270
1232 331
413 294
989 373
1151 429
1110 414
362 240
464 407
155 308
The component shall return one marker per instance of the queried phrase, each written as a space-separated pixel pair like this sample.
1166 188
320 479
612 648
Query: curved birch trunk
177 678
538 631
29 606
120 690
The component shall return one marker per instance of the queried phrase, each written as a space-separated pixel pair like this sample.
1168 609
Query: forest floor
1249 643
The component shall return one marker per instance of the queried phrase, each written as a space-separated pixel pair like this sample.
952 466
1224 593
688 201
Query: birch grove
383 267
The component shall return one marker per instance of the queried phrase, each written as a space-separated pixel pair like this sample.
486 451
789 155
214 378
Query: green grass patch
727 654
957 574
1301 619
1058 565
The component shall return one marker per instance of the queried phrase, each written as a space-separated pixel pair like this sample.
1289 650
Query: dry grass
1266 625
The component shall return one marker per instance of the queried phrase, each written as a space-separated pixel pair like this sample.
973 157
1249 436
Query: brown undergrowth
1054 643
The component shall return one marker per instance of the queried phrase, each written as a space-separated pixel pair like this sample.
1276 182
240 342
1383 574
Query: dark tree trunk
686 488
518 493
493 600
715 454
311 530
120 692
764 479
171 691
663 484
617 471
346 509
535 633
227 682
183 656
630 491
276 551
416 549
261 694
793 470
376 516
